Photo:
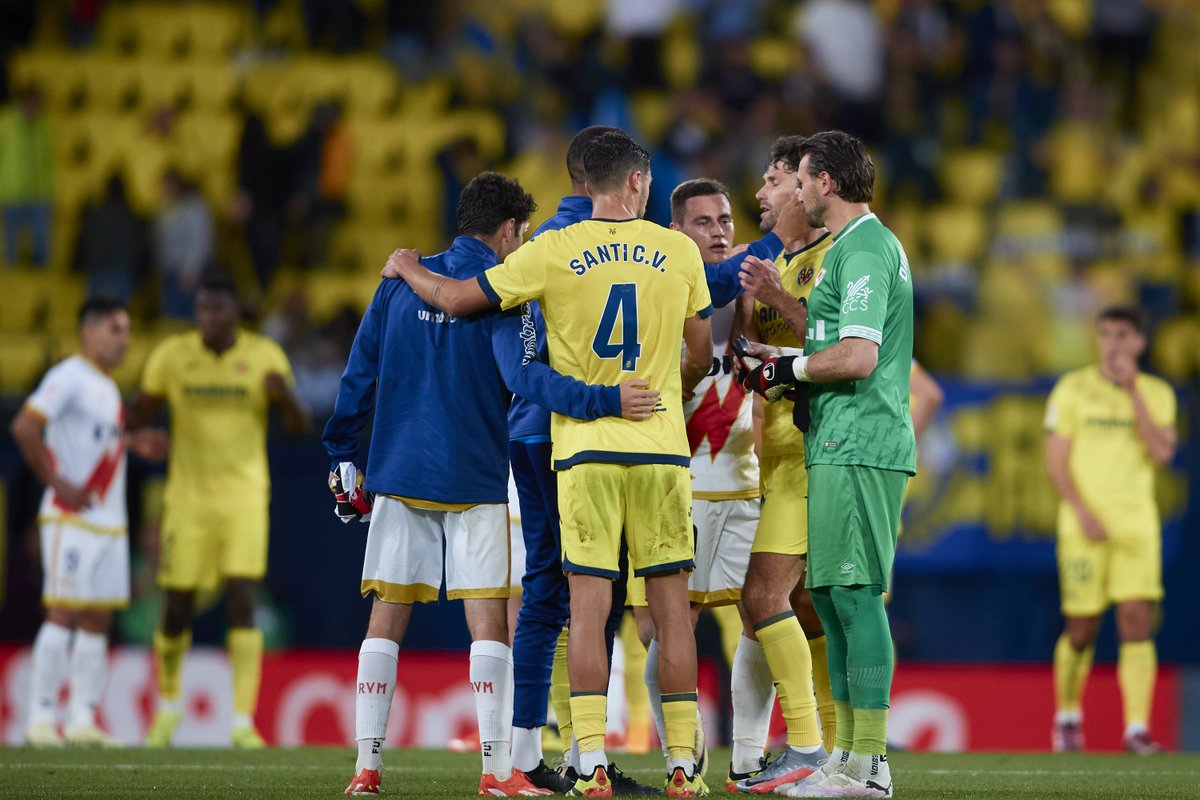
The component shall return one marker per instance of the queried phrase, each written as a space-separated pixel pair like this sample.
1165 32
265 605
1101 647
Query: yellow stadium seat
1032 233
956 234
1177 347
652 113
59 74
110 82
23 360
22 298
214 85
63 303
162 84
971 176
1077 162
213 29
372 87
129 374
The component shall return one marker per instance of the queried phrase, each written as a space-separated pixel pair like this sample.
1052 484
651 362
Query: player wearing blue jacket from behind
438 466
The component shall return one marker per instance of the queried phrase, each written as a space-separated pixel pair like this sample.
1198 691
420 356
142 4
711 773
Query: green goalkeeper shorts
853 519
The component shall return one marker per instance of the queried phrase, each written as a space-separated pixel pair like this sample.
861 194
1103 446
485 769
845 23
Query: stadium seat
214 28
22 298
110 82
214 85
1176 349
1032 232
63 303
23 360
955 234
972 176
162 84
1077 162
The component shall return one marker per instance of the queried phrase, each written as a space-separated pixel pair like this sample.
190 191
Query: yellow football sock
1071 669
245 659
169 652
1137 667
637 699
844 733
870 731
788 656
560 691
588 713
679 719
824 695
729 622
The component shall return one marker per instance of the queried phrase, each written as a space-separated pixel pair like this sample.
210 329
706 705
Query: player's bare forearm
851 359
455 297
761 280
28 431
697 355
1058 457
927 398
1160 440
297 417
142 411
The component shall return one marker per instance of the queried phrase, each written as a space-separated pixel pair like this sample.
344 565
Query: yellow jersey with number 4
615 294
1108 460
218 405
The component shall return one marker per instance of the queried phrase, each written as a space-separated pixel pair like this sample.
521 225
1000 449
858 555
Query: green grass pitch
297 774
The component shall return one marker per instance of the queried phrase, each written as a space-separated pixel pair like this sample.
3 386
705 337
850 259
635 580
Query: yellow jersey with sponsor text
615 295
797 271
218 405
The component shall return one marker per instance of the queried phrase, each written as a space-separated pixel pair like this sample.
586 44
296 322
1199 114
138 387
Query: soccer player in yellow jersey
618 294
1108 426
787 629
217 383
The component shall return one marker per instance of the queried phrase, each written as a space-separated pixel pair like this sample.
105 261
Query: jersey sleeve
699 299
157 374
520 278
279 362
1060 411
1162 404
534 380
865 287
356 391
54 394
725 280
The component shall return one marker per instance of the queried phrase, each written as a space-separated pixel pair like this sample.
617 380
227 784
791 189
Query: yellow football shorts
783 524
1094 575
652 503
200 547
635 592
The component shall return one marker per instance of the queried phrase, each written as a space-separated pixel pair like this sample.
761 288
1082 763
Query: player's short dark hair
611 157
846 160
696 187
219 283
1134 315
787 150
577 147
96 308
490 199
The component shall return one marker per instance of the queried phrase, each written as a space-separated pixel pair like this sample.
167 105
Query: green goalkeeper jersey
864 291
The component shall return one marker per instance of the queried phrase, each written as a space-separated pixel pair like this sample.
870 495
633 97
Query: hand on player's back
638 401
1093 528
151 444
399 262
77 498
275 384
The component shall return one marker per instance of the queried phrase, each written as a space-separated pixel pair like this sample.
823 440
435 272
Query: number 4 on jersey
622 300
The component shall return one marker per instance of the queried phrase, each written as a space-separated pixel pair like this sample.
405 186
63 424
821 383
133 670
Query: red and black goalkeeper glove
771 378
354 502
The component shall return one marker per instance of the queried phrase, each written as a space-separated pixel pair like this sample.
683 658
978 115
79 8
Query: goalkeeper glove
353 502
771 378
800 413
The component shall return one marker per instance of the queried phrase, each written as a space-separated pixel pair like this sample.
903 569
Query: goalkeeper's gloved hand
771 378
353 502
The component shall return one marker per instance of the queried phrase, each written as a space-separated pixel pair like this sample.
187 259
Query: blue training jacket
530 422
438 387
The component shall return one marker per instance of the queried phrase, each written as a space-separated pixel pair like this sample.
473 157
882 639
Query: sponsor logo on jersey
847 568
857 295
820 277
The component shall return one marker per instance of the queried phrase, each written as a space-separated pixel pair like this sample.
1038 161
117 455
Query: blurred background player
787 635
615 478
454 490
71 433
218 383
540 638
859 449
1108 426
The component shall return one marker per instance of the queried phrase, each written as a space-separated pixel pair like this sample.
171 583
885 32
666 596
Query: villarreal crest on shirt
614 294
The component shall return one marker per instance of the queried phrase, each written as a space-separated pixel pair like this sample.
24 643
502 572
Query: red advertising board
308 698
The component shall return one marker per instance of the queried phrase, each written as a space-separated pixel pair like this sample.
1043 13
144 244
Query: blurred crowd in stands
1038 158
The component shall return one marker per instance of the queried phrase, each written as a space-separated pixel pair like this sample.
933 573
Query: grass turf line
315 772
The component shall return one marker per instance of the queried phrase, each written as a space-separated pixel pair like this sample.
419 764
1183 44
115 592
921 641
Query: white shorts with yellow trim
403 562
84 567
724 534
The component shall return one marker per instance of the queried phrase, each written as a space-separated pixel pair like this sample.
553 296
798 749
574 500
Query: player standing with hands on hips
859 448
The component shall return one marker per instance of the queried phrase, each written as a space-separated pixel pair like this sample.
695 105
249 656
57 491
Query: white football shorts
83 569
404 559
724 534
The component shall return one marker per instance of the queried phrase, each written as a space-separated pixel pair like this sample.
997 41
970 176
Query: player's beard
768 223
814 213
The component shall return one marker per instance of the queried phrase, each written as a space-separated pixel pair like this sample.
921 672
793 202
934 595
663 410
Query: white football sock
88 674
655 691
588 761
526 748
373 701
572 755
753 695
51 651
492 682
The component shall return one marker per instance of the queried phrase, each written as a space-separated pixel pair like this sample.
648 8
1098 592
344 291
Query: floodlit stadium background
1037 159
